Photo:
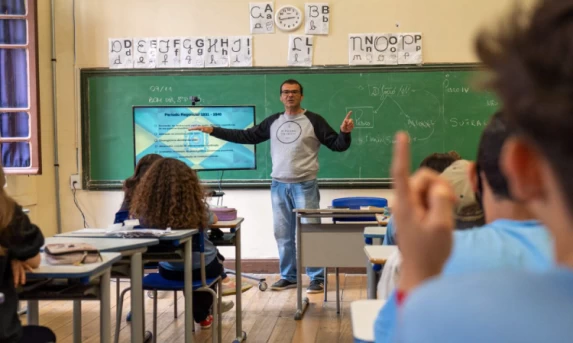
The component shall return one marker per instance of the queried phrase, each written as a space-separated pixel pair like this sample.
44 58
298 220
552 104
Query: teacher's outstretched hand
347 124
206 129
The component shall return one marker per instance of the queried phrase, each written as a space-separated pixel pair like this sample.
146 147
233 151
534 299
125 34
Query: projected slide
164 131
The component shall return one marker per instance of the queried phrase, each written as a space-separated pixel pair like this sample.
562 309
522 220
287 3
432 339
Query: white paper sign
192 52
241 51
262 17
317 18
300 50
120 53
373 48
217 52
168 52
144 53
410 48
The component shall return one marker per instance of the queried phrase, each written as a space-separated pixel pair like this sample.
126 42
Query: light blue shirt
389 237
501 244
502 306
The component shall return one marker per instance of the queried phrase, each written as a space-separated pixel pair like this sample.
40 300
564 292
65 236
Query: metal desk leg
240 336
33 315
105 308
77 321
337 291
187 278
371 281
137 312
301 304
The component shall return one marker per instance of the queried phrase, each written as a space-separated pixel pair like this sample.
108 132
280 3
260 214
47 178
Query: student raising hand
423 211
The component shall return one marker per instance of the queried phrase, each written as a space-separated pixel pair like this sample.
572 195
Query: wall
447 26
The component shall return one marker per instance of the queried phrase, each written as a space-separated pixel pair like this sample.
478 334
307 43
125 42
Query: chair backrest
354 203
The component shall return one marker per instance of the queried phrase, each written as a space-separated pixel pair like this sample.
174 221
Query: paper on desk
90 230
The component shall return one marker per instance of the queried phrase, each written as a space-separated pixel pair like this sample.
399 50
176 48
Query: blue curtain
14 85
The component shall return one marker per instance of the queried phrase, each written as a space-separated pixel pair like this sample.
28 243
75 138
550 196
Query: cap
467 209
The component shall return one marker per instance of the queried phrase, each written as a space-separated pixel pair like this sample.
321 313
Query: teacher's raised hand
423 214
347 124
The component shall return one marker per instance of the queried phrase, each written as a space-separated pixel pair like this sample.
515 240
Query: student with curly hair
170 196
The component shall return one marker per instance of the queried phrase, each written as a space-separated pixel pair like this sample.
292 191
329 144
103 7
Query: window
19 114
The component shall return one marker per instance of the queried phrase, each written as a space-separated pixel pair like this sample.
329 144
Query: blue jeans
285 198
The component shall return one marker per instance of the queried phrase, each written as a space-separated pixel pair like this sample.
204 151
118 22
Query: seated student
436 161
533 78
131 183
170 196
20 243
511 239
468 214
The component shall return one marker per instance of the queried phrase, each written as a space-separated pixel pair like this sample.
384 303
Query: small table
328 245
370 234
378 254
83 274
176 238
235 226
363 314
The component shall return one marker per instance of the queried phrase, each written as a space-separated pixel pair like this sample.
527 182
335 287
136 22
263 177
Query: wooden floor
267 316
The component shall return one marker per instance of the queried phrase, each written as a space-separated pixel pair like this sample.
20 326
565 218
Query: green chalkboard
438 105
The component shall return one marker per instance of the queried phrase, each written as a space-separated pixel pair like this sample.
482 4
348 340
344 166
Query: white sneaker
227 306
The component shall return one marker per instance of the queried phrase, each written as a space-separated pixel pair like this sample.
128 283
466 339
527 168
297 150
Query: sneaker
316 286
206 324
283 284
226 306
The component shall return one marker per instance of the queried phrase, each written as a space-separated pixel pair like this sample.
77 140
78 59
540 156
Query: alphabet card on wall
300 50
120 53
217 53
168 52
385 48
192 52
145 52
317 18
261 17
241 54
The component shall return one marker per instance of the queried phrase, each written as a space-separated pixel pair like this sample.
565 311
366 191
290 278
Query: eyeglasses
295 92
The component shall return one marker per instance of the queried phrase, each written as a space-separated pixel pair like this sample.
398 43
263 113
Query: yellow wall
447 25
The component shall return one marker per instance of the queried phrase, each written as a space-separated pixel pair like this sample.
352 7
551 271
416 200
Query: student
532 76
131 182
511 239
170 196
20 243
436 161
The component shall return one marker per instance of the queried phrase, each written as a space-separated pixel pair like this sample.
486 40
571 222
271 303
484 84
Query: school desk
176 239
82 274
328 245
363 315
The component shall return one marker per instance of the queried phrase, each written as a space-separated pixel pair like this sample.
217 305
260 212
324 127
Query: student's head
7 204
468 213
440 161
533 76
140 169
170 195
291 93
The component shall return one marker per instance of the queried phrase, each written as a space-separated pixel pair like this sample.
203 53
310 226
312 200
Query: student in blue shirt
528 57
170 196
510 240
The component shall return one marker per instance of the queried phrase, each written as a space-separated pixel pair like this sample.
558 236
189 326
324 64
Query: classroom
82 141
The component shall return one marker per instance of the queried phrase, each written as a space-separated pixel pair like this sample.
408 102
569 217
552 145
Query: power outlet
75 178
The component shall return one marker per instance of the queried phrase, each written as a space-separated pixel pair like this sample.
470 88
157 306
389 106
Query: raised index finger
195 128
348 115
401 166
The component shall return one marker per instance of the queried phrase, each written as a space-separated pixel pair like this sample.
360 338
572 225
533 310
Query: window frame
33 110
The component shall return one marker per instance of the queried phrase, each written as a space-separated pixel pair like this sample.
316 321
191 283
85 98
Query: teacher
296 136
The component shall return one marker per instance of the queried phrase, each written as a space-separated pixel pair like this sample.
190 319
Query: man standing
296 136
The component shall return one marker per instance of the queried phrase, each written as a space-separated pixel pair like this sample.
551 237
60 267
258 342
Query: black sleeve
254 135
326 134
22 238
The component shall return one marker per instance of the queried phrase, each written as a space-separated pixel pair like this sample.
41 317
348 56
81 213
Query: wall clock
288 18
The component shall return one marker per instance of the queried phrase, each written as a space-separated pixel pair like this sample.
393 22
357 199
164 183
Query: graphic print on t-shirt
289 132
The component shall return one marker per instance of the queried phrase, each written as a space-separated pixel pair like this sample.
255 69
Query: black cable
78 205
